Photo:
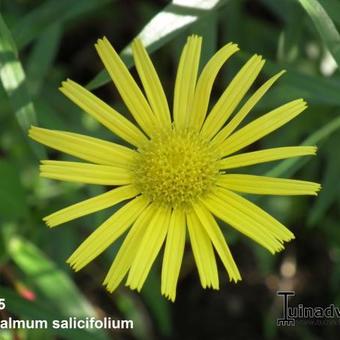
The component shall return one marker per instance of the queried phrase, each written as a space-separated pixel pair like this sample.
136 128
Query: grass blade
13 203
42 57
324 25
13 79
290 166
52 284
333 8
330 189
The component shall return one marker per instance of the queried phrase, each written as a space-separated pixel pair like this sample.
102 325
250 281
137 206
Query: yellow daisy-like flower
176 173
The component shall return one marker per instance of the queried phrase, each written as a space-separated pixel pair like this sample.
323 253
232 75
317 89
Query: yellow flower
175 175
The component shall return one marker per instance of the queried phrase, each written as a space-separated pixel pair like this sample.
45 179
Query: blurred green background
44 42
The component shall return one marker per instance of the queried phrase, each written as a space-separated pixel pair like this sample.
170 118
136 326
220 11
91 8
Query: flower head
176 174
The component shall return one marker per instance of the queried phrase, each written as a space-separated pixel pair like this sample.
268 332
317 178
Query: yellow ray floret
84 147
149 247
127 87
107 233
151 83
186 81
246 108
262 126
100 202
102 112
175 242
248 219
203 252
267 185
205 83
232 96
85 173
267 155
214 232
128 250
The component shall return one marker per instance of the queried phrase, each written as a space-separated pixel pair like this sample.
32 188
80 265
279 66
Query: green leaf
290 38
12 194
328 194
163 27
42 57
290 166
13 79
57 289
159 307
39 334
324 25
131 308
50 13
6 335
333 8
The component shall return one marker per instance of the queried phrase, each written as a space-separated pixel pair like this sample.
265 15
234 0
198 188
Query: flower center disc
175 168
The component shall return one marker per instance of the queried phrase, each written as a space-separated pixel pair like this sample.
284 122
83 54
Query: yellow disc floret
175 168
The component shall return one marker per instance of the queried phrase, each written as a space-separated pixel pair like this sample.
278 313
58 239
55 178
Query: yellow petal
151 83
203 252
213 230
102 112
128 249
248 219
262 126
88 148
267 155
149 248
173 253
186 81
246 108
205 83
127 87
267 185
270 224
100 202
232 96
107 233
85 173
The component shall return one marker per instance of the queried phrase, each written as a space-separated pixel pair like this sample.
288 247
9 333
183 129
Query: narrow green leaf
290 37
6 335
58 290
13 79
289 166
330 191
333 8
132 309
324 25
42 57
39 334
12 195
163 27
158 306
